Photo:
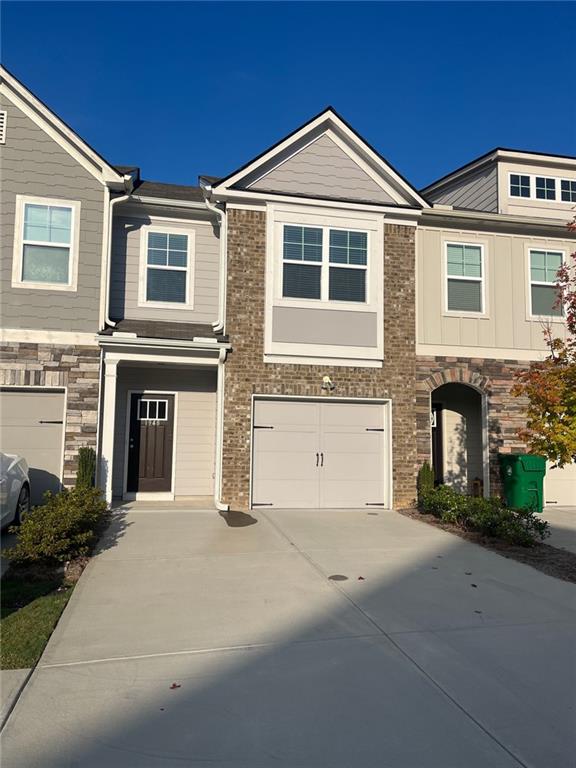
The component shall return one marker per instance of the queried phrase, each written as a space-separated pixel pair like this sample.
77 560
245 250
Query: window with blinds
464 274
46 244
324 264
167 268
544 266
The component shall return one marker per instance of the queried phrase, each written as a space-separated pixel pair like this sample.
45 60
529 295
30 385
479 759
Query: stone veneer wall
494 379
75 367
247 374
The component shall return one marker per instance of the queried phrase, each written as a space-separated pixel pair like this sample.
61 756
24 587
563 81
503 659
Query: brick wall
246 372
74 367
493 378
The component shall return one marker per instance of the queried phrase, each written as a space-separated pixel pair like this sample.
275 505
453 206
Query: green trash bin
523 480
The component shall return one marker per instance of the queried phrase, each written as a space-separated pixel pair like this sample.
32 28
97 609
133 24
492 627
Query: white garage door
560 486
32 426
309 454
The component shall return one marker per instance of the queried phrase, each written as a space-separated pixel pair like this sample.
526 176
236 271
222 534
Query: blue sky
186 88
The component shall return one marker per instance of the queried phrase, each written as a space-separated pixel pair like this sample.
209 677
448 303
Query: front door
150 443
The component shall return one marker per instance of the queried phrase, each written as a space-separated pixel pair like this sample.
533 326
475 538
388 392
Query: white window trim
532 180
531 315
190 259
74 245
482 280
324 301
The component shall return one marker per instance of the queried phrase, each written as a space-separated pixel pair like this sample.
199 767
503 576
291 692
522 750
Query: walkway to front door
305 638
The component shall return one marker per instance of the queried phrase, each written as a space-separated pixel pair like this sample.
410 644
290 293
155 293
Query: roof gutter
220 323
504 218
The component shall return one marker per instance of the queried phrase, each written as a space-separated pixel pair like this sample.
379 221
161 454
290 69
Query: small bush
486 516
425 480
65 527
86 475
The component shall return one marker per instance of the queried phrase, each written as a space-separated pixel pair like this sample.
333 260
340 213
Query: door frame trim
152 495
45 388
384 401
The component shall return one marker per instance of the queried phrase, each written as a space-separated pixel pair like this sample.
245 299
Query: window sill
164 305
359 306
473 315
24 284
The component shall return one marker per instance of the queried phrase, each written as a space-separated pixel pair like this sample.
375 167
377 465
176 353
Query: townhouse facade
304 332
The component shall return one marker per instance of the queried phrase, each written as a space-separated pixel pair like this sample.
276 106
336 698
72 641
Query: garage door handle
42 421
317 459
321 459
374 429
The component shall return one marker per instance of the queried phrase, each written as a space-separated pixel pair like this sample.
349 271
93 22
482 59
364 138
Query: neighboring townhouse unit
55 195
301 333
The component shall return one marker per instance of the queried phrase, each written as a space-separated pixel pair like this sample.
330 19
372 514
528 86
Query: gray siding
195 425
478 191
31 163
322 169
127 233
294 325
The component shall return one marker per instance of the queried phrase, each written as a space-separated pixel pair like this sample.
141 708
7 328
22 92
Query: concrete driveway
345 639
562 527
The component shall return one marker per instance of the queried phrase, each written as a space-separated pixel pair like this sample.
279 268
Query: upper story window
324 264
545 188
46 239
166 269
519 185
544 266
465 278
568 190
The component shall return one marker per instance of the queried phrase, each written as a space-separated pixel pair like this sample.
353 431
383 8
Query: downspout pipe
218 503
113 201
219 324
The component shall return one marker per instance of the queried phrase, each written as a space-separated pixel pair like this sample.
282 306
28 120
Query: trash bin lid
532 463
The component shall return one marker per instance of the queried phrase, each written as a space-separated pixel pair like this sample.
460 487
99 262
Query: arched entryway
458 447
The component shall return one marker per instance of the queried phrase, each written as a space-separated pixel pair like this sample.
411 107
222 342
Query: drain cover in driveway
338 577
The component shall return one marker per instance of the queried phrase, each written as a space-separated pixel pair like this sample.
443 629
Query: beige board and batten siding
477 191
506 323
322 169
33 164
126 254
195 424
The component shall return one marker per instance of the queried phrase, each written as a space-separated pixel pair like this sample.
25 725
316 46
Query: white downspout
218 503
219 324
114 201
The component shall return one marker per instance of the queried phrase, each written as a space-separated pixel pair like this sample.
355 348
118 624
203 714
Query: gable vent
2 127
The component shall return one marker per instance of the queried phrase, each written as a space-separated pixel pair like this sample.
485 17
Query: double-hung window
568 190
544 266
519 185
45 243
464 277
166 274
324 263
545 188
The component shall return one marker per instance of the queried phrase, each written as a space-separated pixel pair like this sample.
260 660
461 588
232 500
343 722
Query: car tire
23 505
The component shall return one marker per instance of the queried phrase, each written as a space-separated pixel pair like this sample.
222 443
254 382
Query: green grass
30 610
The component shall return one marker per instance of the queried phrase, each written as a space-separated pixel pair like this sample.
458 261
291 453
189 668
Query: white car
14 489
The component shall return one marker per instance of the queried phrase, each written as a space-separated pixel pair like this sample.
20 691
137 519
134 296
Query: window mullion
325 274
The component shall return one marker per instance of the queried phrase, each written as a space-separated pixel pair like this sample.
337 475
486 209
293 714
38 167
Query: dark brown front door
150 443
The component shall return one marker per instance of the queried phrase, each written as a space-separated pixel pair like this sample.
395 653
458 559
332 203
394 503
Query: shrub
425 481
86 475
65 527
486 516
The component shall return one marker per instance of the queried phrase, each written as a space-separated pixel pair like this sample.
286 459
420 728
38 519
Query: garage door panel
32 427
349 439
349 494
560 485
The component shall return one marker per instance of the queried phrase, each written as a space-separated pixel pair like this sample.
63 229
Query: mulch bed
552 561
